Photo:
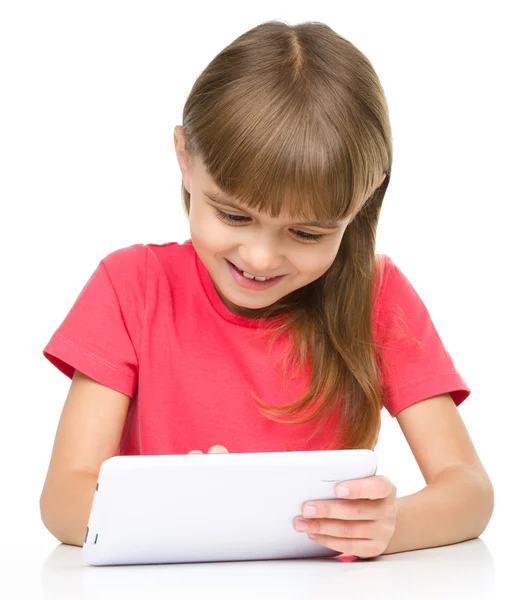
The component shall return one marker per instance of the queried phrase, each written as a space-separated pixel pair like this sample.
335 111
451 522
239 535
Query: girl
276 326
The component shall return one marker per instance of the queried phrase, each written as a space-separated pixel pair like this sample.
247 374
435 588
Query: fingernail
301 525
309 511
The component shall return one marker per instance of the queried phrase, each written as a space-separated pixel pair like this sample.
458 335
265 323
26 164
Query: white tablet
180 508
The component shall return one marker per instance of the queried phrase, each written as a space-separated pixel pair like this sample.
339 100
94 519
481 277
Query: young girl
276 327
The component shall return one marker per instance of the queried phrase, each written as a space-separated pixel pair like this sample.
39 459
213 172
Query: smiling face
253 242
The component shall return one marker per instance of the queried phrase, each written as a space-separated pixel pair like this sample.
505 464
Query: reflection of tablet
213 507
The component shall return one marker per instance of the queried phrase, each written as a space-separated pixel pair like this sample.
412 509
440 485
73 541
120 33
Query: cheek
318 266
309 268
317 262
207 233
322 268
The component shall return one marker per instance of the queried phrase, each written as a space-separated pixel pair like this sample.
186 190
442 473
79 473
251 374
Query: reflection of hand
212 450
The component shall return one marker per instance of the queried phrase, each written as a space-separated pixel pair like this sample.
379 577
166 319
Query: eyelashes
238 219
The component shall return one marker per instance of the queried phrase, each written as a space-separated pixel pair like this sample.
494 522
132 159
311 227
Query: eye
236 219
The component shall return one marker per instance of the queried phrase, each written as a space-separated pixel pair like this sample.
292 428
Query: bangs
285 159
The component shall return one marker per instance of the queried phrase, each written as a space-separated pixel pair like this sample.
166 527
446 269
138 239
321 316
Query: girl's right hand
212 450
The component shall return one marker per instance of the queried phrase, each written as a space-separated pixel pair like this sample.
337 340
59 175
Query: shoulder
142 259
129 257
390 282
396 300
383 267
135 269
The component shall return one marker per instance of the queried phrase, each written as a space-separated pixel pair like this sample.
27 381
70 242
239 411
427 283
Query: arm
66 505
455 507
89 431
458 500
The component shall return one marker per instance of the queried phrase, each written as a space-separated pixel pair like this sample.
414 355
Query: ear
381 179
182 157
180 148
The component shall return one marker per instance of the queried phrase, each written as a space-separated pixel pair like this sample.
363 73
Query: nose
261 257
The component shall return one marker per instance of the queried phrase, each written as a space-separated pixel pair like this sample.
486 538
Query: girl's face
253 242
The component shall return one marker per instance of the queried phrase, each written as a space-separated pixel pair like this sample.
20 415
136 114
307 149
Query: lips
237 268
234 266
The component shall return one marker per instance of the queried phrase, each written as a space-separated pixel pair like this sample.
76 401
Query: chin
254 305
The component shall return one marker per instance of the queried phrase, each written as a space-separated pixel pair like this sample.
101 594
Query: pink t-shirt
150 324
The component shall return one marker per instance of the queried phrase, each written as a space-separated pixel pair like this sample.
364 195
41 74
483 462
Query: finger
196 452
372 488
351 547
218 450
349 510
344 529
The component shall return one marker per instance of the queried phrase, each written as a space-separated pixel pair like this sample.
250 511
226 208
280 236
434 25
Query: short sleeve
100 336
414 362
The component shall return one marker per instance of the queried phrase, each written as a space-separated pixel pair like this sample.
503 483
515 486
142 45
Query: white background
90 95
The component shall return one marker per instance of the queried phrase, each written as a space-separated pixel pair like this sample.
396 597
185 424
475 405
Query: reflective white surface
472 569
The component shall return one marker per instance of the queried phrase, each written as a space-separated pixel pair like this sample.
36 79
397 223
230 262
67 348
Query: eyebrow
219 199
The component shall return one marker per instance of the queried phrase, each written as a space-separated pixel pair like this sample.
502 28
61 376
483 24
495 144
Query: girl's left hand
360 524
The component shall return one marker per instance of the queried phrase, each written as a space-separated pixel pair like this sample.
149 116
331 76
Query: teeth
248 276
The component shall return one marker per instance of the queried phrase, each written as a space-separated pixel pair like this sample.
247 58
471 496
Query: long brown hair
294 118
